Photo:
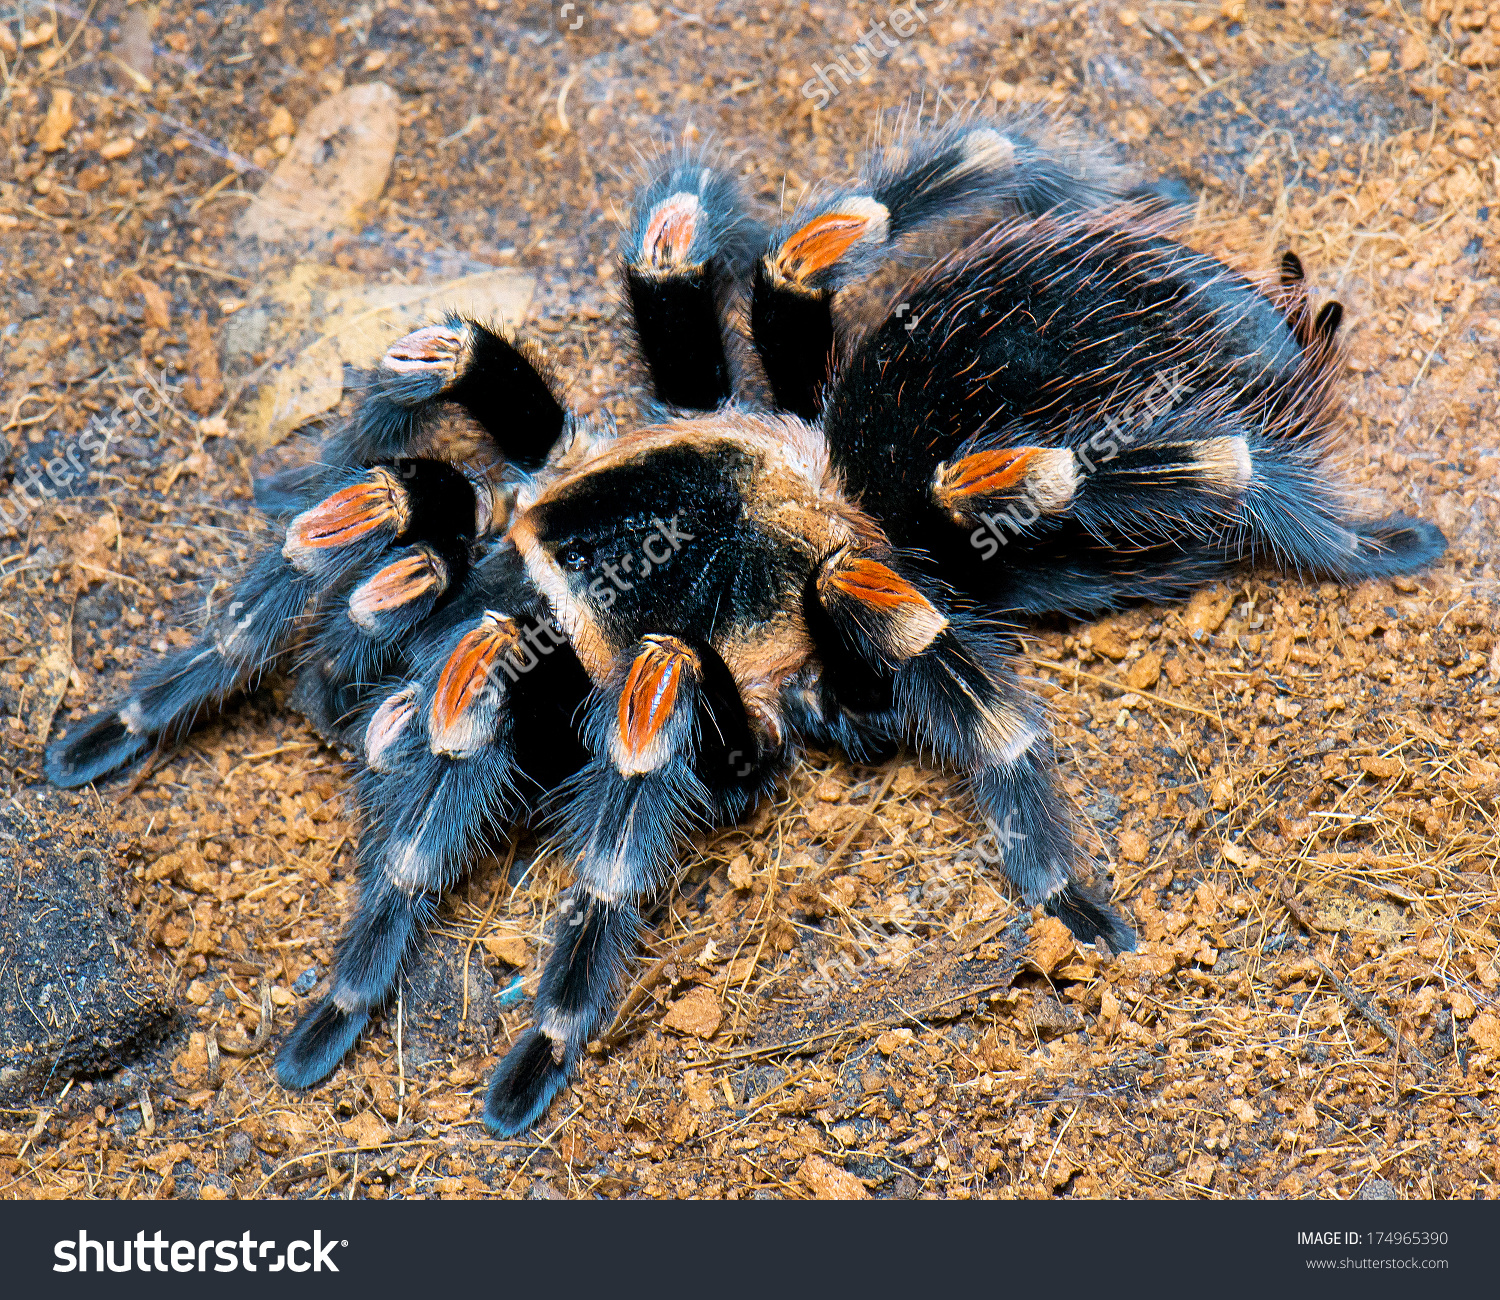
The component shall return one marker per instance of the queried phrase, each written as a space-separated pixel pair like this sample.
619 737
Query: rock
336 168
434 1026
158 307
641 21
1378 1189
238 1151
697 1013
1134 847
52 134
828 1182
509 948
1207 611
1413 53
1051 944
1144 673
1485 1031
1105 808
79 997
741 874
366 1130
205 383
1049 1016
1107 639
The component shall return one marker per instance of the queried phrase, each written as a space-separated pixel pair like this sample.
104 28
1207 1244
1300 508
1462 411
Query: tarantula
511 610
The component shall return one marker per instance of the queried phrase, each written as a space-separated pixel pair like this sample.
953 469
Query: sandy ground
1293 788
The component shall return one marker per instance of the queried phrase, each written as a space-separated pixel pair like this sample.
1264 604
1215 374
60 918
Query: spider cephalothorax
636 630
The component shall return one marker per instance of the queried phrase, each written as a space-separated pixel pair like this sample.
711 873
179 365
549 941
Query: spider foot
1090 916
524 1085
501 384
688 242
318 1044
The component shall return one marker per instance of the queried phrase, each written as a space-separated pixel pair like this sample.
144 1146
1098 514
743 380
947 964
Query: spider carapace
510 611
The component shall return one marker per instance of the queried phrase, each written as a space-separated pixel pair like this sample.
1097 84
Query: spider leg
1118 417
663 733
1194 491
501 384
357 522
893 653
689 241
972 165
368 495
450 756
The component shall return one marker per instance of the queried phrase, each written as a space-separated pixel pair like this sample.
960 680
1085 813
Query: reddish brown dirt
1293 787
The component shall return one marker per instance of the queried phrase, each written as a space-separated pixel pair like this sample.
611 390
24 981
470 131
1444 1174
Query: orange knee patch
468 694
430 348
648 701
386 725
418 574
827 237
892 611
377 502
872 583
1046 474
670 232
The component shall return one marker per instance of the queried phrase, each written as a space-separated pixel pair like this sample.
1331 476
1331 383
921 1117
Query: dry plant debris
1294 786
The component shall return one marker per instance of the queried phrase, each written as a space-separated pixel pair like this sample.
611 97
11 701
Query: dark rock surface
434 1024
76 996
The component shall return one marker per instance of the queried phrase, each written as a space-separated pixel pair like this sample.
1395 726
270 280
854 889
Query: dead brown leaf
338 164
49 680
326 319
